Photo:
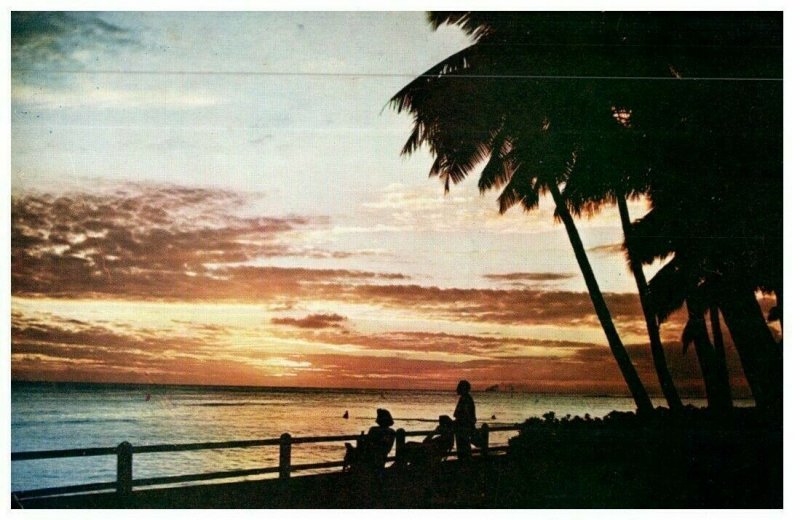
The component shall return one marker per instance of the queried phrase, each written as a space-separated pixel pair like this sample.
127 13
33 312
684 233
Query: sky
219 198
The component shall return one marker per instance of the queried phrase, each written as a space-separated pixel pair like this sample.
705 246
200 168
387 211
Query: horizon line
372 389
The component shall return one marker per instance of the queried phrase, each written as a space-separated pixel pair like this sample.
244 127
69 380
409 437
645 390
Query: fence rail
125 482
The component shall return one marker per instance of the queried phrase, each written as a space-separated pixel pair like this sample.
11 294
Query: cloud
530 277
160 241
512 306
525 279
176 244
426 207
55 347
585 370
444 350
607 249
377 228
42 39
52 344
86 94
312 321
400 208
52 348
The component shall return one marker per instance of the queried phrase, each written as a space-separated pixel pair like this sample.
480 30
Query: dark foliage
667 459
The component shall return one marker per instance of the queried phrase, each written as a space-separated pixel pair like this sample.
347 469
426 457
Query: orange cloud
53 348
516 306
529 277
607 249
174 243
312 321
152 242
169 244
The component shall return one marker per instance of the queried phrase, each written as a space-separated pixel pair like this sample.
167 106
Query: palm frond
501 165
411 97
669 288
519 190
449 170
416 138
650 238
475 24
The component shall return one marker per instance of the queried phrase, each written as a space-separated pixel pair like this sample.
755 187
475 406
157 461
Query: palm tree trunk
705 353
760 356
721 361
640 397
659 358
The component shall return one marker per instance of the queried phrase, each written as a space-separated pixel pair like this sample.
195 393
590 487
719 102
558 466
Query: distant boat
346 414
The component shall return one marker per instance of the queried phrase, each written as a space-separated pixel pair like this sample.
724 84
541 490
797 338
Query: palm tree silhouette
679 283
712 269
720 358
476 106
684 107
607 170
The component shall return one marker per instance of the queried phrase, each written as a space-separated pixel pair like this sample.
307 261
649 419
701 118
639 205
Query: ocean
50 416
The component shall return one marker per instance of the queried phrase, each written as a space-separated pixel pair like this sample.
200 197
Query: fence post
125 468
400 447
285 463
484 440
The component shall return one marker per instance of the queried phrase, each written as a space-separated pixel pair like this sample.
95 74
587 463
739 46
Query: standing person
465 420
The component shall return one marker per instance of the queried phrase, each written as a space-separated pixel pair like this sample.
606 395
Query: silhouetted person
443 436
381 437
346 414
371 450
434 447
367 458
465 420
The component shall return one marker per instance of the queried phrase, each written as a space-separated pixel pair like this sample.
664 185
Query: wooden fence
125 483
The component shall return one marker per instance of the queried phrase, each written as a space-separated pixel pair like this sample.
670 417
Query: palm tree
657 349
721 363
716 197
696 332
677 283
467 111
711 269
533 97
607 172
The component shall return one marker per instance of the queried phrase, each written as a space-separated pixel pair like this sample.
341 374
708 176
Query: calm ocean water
48 416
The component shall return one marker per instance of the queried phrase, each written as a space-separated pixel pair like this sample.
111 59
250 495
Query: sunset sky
219 198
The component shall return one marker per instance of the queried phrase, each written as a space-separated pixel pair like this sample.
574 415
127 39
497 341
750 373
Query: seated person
372 449
434 447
